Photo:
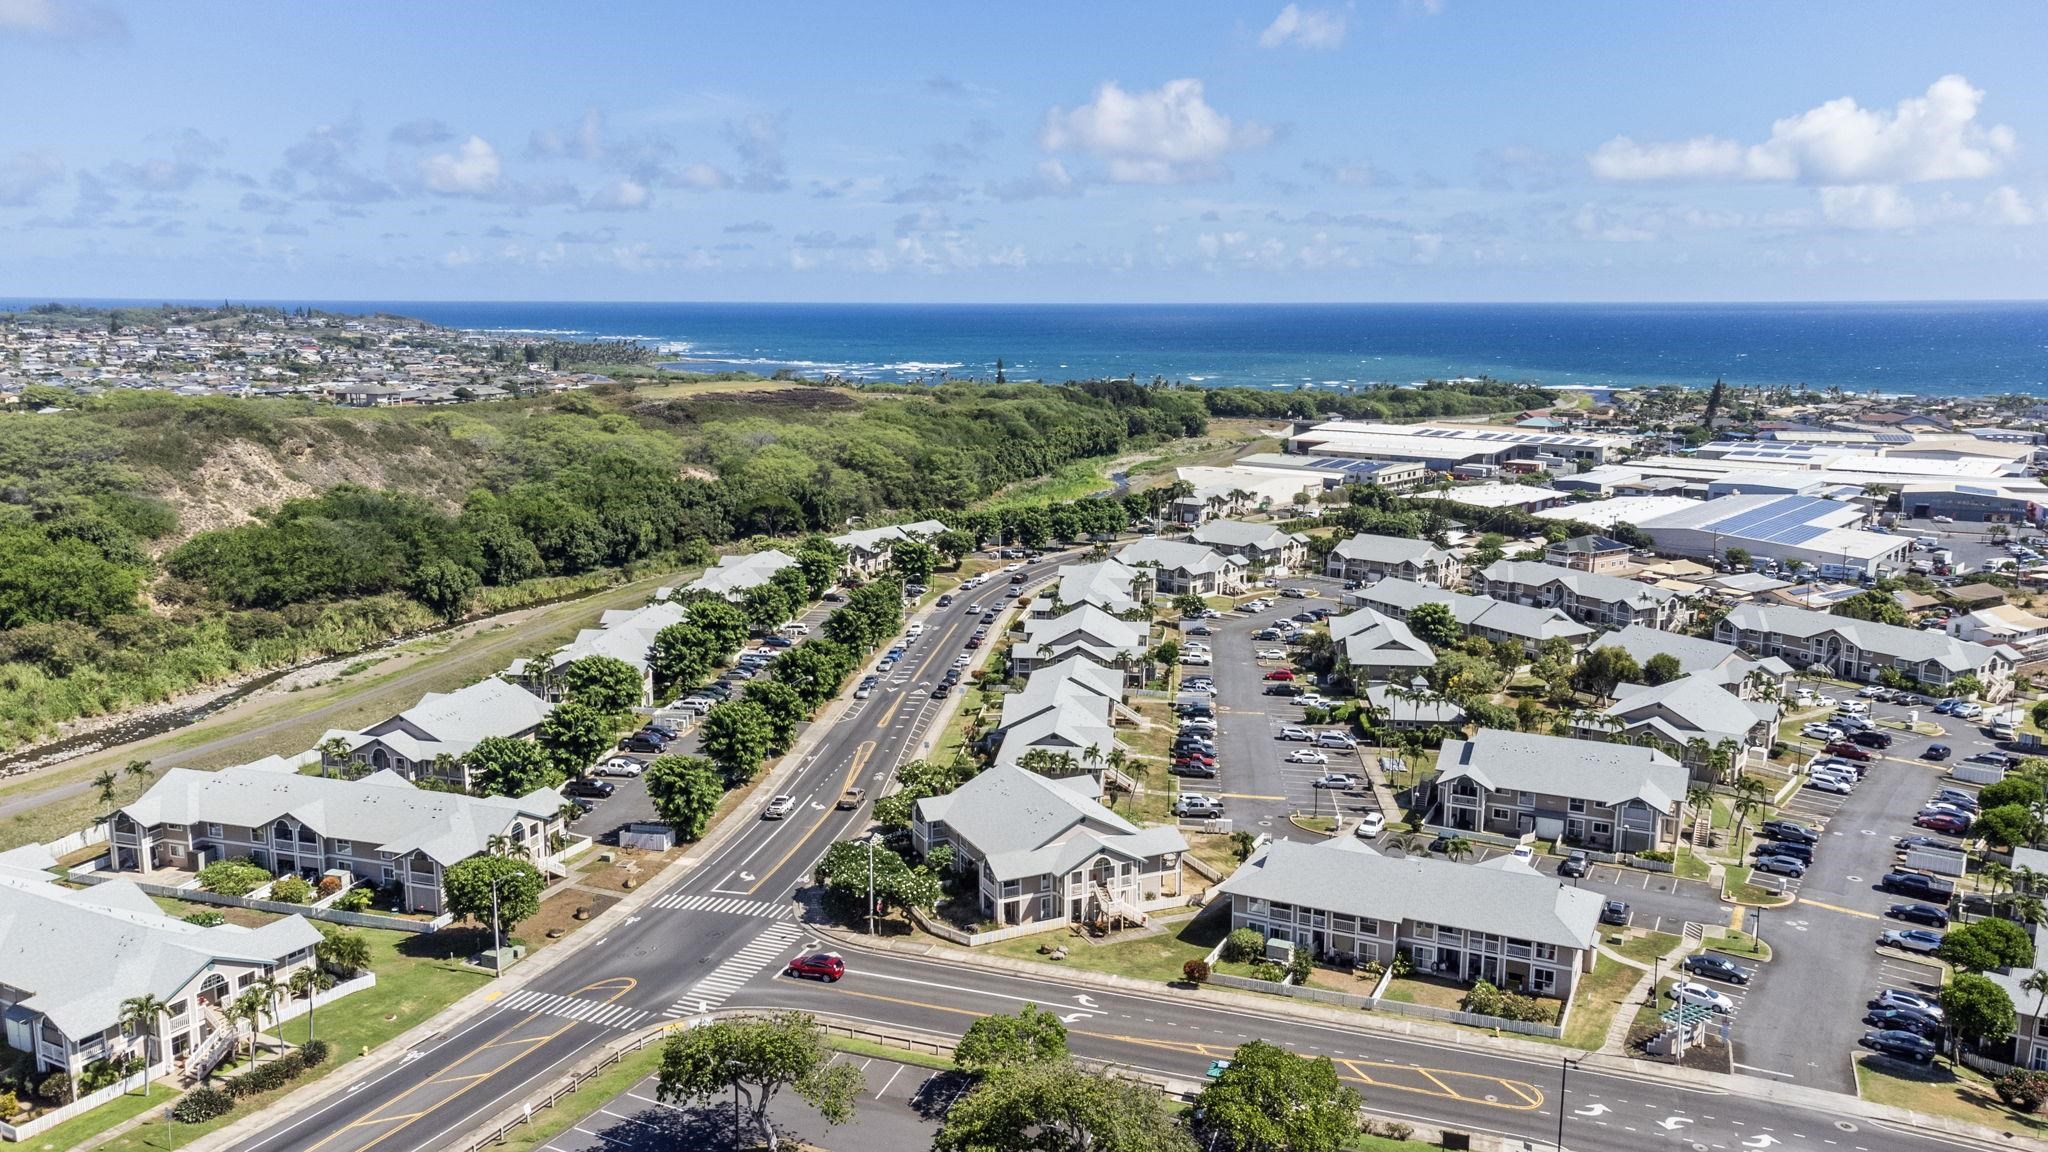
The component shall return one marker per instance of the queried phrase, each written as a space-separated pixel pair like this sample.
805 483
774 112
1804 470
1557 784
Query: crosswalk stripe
572 1008
733 972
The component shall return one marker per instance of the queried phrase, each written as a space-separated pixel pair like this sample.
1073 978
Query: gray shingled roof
1694 653
1341 875
1389 550
1482 611
1890 640
1024 824
1587 585
1596 770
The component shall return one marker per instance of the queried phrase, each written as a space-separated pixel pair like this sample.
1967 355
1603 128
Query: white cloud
2007 206
1049 178
624 195
1879 207
1934 136
471 170
24 175
1304 28
1164 135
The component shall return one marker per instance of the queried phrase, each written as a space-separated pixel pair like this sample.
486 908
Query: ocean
1931 349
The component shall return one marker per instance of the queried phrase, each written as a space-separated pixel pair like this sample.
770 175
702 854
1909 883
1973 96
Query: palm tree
2026 909
2037 983
333 752
271 991
498 845
309 982
141 1014
1091 755
1751 797
137 770
1457 848
248 1006
105 782
1699 797
1407 843
1997 876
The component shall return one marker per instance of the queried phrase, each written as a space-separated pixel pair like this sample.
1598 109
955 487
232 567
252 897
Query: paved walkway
1617 1028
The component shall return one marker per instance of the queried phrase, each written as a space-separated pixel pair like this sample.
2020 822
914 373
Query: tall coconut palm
105 782
1457 848
142 1014
333 753
309 982
272 992
248 1006
137 770
2037 983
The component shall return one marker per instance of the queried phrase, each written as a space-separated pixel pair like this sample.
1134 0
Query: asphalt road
720 935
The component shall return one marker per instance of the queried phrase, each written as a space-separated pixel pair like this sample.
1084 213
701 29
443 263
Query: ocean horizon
1904 348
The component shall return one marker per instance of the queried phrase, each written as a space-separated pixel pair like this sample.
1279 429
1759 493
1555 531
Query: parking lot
1827 963
1259 785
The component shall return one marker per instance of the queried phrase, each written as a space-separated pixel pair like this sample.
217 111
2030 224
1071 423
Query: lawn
1154 956
1647 947
1736 942
855 1046
1952 1092
79 1129
1426 991
1603 992
417 976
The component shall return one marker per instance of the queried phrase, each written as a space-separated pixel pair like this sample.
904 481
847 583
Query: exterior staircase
212 1050
1109 906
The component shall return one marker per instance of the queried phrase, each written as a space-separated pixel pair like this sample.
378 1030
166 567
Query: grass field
1152 956
1945 1090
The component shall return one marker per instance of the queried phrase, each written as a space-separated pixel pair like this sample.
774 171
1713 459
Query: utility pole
871 887
497 946
1564 1071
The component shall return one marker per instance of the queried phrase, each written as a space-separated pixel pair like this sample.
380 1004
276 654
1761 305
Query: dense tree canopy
503 766
467 890
685 791
755 1059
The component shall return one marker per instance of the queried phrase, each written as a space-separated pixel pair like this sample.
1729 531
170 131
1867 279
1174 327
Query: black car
584 786
1916 884
643 742
1717 968
1906 1020
1897 1042
1787 832
1935 752
1926 914
1575 864
1614 912
1800 852
1872 739
1283 688
1906 843
663 727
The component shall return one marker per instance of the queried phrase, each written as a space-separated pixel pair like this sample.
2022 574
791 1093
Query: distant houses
1605 796
428 740
1480 616
1366 558
732 576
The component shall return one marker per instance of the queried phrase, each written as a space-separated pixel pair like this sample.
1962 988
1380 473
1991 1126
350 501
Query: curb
1831 1103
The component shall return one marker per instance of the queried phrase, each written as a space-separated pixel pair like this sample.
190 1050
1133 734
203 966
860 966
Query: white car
1307 756
1292 733
1824 701
779 807
1834 784
1687 992
1335 740
1337 781
618 766
1874 691
1314 700
1272 654
1370 825
1195 659
1821 732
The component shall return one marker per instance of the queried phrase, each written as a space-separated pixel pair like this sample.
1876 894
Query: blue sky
1373 150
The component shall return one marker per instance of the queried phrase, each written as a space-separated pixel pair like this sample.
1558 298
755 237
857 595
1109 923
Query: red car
826 966
1280 674
1942 822
1848 751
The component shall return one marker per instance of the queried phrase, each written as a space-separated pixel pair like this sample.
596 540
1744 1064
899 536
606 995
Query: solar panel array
1786 521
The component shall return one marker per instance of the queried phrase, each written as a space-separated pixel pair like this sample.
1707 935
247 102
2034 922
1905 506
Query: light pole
871 884
497 946
1564 1071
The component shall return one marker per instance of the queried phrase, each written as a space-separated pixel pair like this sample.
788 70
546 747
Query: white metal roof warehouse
1806 529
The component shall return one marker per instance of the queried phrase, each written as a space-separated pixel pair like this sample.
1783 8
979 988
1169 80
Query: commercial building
1442 447
1788 529
1973 503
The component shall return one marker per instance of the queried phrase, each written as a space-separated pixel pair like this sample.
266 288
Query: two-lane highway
726 921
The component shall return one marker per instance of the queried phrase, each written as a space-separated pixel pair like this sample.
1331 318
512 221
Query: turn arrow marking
1593 1110
1086 1001
1760 1141
1673 1123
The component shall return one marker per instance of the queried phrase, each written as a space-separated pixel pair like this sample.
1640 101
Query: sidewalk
1616 1042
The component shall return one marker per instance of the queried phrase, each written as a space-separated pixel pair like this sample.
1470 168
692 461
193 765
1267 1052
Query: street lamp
497 946
1565 1065
871 888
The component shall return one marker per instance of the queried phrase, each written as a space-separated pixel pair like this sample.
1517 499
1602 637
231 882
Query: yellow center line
853 770
402 1120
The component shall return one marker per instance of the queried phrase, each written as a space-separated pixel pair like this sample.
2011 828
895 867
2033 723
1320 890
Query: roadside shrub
2021 1090
1195 971
1301 966
202 1104
1488 1000
1654 855
10 1105
1390 1129
206 918
55 1089
1241 844
313 1053
1243 946
291 890
236 877
355 900
264 1077
1268 970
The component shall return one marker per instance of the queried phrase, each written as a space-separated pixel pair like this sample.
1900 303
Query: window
1578 805
258 835
344 848
1546 951
388 874
214 831
1602 828
1499 814
384 855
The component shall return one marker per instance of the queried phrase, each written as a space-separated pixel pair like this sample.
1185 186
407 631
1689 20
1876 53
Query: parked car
1913 1001
1947 705
1781 865
1340 781
1370 825
1307 756
1936 752
1284 689
589 789
618 766
643 742
1906 1020
1967 711
1872 739
1947 823
1614 912
1917 884
779 807
1575 864
1789 832
1926 914
1834 784
1193 768
1687 992
1849 750
1821 732
1717 968
1292 733
1271 654
1280 674
1800 852
1335 740
1908 843
826 966
1194 805
1904 1045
